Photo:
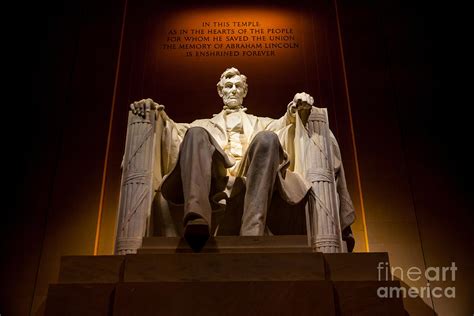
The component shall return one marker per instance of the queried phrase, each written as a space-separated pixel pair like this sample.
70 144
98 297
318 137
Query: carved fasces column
136 190
325 223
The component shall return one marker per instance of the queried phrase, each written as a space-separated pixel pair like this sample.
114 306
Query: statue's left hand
301 103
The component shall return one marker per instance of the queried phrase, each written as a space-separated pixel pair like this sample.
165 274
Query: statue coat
291 183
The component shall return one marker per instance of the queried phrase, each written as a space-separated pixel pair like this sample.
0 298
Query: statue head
232 88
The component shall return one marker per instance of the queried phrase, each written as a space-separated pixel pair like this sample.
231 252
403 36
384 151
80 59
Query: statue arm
168 136
301 104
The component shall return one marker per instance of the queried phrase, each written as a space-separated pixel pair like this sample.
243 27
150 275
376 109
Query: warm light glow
281 49
109 134
354 146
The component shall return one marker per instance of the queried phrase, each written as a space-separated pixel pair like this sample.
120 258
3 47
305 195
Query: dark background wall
409 127
69 52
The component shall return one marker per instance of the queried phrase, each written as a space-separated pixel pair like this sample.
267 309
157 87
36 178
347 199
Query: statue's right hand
144 106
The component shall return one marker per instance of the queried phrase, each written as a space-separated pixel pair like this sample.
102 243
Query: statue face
233 92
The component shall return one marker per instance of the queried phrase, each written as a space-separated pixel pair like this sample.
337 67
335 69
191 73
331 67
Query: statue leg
264 157
195 160
198 164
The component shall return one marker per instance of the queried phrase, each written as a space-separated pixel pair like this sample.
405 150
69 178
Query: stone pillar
136 190
325 223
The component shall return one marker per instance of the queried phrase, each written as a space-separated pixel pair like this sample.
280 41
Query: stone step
225 244
225 298
359 266
80 299
224 283
224 266
318 297
362 298
91 269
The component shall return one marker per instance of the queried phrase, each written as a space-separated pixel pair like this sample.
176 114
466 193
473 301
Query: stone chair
144 212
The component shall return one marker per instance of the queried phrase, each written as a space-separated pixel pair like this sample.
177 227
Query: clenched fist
301 103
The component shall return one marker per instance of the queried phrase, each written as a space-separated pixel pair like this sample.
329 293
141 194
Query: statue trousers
203 174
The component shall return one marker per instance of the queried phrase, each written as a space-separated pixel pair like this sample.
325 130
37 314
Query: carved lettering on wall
230 38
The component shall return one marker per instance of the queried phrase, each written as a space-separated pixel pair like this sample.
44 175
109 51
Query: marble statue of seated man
236 150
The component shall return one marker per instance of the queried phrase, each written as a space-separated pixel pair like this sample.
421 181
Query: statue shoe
196 233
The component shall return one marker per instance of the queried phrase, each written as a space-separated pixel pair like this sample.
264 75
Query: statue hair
230 73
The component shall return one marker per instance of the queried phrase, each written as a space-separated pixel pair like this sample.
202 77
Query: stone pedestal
72 299
225 298
232 276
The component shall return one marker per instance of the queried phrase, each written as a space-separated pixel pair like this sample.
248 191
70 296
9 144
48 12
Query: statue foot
196 233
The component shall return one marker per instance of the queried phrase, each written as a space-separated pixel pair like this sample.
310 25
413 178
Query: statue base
231 276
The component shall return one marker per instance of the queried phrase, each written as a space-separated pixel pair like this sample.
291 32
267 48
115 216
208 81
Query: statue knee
195 137
267 139
196 133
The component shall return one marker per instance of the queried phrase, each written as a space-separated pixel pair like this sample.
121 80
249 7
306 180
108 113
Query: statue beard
231 108
230 105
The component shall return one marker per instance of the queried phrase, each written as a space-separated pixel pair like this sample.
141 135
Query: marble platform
231 276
